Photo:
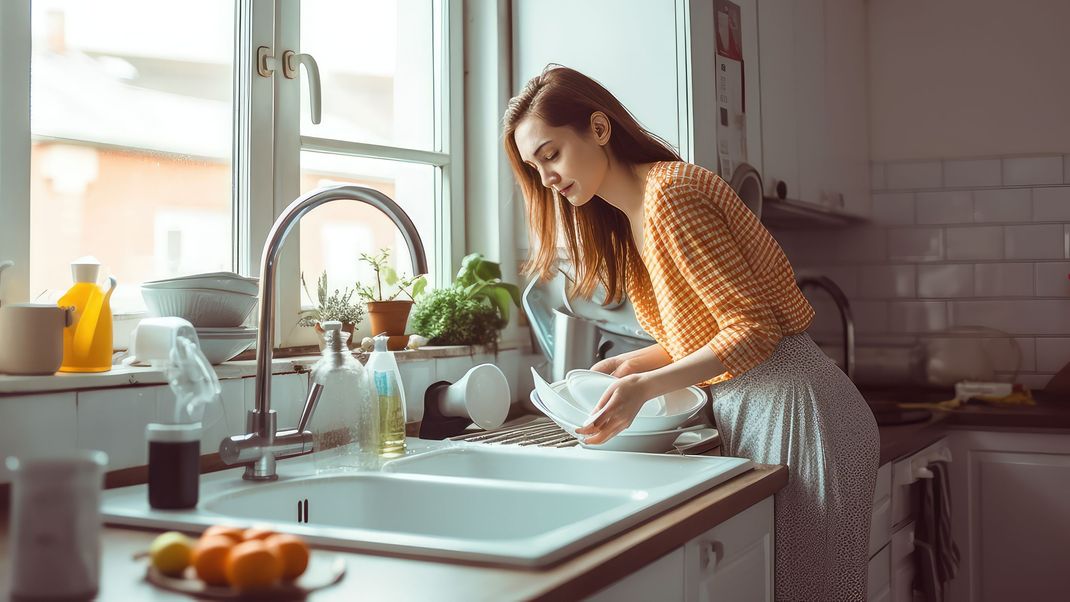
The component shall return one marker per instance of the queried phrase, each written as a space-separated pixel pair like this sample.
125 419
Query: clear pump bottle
346 418
391 398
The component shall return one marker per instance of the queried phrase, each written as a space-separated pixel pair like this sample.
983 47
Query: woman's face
570 162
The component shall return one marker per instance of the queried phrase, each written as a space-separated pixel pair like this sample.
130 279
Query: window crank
266 64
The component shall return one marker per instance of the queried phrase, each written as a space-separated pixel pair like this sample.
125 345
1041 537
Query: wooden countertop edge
603 565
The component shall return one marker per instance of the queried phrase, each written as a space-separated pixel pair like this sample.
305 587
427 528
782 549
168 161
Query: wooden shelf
791 214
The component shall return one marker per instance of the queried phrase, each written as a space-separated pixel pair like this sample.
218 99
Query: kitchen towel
938 557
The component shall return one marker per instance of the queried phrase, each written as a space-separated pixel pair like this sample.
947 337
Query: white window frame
266 148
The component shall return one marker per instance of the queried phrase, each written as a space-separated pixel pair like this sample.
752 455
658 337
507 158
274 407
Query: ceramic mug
31 337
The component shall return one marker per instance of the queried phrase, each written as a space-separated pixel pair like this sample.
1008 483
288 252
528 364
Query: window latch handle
290 63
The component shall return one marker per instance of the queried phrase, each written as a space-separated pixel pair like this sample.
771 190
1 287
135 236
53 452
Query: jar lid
173 433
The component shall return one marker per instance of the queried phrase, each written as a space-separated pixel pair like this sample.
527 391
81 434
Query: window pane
376 63
334 235
131 141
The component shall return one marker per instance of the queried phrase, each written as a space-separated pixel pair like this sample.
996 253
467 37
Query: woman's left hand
621 402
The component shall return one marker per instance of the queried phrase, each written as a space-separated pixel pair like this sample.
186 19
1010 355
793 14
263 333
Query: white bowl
655 442
556 403
202 307
219 345
661 413
222 281
586 388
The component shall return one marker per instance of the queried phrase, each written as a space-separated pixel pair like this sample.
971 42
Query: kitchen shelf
788 214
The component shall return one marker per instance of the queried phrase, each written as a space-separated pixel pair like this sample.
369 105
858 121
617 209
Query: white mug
55 524
31 337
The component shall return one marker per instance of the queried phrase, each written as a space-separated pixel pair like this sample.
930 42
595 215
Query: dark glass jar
174 465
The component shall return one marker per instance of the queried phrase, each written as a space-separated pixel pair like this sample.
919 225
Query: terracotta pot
390 317
347 327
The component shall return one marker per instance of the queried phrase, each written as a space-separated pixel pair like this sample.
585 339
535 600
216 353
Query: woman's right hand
642 360
608 365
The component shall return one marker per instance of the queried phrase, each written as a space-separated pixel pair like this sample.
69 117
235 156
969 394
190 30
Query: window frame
266 146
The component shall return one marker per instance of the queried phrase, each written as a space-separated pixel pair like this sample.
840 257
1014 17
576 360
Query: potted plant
386 313
338 305
470 312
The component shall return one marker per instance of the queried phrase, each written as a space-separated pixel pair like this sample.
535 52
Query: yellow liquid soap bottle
386 384
87 342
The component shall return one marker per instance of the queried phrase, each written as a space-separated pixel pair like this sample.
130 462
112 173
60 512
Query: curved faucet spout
262 445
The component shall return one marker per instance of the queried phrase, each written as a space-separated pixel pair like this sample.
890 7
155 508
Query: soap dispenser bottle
347 417
87 342
391 395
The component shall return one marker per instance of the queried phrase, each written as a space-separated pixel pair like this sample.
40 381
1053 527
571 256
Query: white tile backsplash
870 316
862 245
893 208
912 175
887 281
1052 353
1066 169
972 173
980 242
946 280
1017 316
1003 279
1053 279
915 244
1028 358
1051 204
1003 205
877 179
1031 171
949 207
917 316
1039 241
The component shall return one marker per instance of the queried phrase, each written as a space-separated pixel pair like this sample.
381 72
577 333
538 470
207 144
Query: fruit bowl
324 570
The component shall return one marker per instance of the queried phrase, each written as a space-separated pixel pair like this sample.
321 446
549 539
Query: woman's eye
551 156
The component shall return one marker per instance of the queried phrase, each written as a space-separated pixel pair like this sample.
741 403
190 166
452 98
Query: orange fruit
210 558
252 566
234 533
256 533
292 551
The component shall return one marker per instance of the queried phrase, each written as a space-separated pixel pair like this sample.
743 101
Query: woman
716 292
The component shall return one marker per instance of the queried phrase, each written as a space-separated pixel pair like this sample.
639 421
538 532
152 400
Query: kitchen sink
506 505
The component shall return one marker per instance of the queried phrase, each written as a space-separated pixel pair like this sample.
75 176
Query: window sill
286 361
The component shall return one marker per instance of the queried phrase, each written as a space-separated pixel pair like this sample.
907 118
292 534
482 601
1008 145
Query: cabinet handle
711 555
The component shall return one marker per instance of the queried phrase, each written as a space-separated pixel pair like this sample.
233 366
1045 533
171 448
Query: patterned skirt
798 408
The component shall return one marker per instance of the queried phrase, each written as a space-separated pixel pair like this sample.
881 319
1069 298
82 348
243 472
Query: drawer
879 579
901 563
906 474
880 528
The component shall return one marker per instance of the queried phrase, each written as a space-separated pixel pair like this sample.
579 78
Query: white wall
968 78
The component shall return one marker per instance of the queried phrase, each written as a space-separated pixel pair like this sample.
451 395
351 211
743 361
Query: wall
968 78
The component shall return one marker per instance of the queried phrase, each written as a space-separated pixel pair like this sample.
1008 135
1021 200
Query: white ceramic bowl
653 442
221 344
554 402
221 281
661 413
202 307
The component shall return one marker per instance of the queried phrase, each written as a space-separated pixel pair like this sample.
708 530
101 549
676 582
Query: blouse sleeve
696 234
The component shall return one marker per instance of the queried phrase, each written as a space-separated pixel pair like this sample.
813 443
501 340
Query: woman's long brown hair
598 239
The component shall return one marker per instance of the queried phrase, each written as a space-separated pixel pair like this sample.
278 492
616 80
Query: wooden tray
324 570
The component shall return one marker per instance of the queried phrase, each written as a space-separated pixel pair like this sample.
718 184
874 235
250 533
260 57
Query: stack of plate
216 304
570 403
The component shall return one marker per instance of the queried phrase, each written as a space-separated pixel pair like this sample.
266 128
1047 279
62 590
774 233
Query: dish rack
542 432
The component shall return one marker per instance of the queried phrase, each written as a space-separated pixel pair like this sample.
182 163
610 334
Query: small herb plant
472 311
410 286
338 305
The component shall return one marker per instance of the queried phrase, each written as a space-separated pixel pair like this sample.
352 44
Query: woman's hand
617 409
642 360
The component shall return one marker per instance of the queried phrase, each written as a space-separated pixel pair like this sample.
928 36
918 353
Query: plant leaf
513 290
390 275
500 297
419 286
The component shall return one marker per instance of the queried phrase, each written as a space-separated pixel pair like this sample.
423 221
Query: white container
202 307
222 281
55 525
222 344
586 388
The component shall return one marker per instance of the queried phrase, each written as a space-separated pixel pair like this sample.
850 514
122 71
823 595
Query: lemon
170 553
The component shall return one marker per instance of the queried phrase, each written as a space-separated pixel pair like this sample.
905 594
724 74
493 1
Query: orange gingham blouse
714 275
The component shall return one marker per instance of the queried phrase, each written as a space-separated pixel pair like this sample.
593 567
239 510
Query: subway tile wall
954 244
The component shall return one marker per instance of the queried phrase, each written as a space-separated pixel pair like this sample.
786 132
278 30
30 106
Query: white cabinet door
880 528
629 46
734 560
31 424
1010 517
878 579
901 562
661 580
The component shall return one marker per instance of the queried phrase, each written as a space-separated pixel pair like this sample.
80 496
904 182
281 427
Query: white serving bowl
221 281
553 400
586 387
653 442
661 413
202 307
221 344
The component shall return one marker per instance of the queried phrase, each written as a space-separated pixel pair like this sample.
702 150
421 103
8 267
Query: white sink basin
450 501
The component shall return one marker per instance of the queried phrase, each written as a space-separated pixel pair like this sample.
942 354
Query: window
163 153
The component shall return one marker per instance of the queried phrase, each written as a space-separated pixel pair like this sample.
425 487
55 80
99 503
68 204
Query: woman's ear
601 128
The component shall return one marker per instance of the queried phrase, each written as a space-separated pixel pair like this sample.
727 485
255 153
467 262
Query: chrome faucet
263 444
840 299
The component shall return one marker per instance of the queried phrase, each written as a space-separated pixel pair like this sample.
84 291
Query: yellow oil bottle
87 342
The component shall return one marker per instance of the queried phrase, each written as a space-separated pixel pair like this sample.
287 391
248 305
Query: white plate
587 387
677 408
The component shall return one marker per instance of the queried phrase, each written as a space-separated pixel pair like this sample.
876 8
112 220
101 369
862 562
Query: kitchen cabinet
1010 521
732 561
35 424
814 102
